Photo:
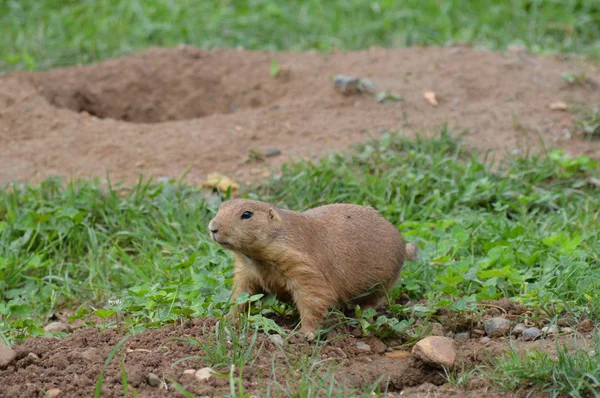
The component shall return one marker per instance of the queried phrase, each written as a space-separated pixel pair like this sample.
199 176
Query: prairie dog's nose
213 227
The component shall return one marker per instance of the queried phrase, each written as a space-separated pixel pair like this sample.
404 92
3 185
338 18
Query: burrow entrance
158 86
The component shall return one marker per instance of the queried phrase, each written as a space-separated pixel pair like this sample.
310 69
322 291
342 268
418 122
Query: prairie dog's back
356 246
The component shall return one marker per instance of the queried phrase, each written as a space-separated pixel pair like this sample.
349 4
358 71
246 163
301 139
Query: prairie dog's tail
412 252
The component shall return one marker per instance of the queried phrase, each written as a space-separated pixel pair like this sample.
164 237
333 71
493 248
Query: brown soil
73 364
164 110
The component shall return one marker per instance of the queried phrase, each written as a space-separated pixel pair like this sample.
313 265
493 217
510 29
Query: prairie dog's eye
246 215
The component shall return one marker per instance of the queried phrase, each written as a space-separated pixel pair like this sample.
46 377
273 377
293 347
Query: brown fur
318 259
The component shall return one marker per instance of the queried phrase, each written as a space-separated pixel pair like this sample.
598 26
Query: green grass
572 373
50 33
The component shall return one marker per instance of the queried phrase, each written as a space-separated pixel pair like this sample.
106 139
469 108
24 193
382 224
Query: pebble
346 84
53 392
276 339
363 346
518 329
567 330
485 340
189 372
436 350
204 374
462 336
57 327
7 355
550 330
152 379
531 333
496 327
272 152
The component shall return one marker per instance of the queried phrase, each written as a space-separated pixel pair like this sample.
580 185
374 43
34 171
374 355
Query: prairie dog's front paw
309 336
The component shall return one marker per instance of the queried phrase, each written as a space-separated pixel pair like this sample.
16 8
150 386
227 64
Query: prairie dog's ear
273 216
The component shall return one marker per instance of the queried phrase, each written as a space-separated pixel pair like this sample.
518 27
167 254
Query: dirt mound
164 110
74 364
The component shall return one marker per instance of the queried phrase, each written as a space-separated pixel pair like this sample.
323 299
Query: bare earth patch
73 364
161 111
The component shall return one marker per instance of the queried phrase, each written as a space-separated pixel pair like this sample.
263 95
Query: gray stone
531 334
7 355
346 84
462 336
57 327
153 380
436 351
518 329
363 346
276 339
272 152
496 327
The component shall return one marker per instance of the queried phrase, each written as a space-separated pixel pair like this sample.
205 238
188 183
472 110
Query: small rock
346 84
485 340
462 336
566 330
588 336
531 333
276 339
518 329
363 346
435 350
31 358
477 332
204 374
53 392
496 327
270 152
189 372
430 97
559 106
57 327
7 355
550 330
152 379
437 329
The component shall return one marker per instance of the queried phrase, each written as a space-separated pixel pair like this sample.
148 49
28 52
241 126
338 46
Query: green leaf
102 313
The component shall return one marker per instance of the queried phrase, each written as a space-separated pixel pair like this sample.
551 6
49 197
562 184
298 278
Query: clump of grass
227 346
573 374
50 33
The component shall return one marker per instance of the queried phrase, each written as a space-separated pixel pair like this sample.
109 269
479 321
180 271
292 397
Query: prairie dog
328 256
